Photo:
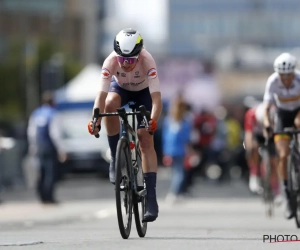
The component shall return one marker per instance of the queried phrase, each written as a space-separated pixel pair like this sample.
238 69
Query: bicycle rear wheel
123 188
139 205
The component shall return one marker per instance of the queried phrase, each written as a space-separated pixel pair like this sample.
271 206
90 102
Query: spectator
204 129
42 144
175 138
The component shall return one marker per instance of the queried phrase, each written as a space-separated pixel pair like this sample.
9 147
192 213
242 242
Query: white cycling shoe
254 184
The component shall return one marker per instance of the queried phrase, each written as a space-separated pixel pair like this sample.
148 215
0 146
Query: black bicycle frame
127 129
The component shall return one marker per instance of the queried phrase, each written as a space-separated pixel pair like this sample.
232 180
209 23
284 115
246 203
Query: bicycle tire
297 195
292 184
297 212
122 157
139 205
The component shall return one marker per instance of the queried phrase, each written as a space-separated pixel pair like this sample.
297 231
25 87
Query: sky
149 17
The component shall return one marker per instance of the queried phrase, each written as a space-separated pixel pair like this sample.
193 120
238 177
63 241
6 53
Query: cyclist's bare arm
267 121
268 100
108 68
156 105
154 85
100 102
248 141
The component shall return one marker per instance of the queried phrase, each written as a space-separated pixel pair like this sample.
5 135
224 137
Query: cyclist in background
254 138
129 74
283 90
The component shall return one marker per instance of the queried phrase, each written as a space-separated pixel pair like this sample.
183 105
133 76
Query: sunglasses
129 60
286 76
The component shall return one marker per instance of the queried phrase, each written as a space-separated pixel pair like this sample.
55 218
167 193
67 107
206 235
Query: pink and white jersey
142 76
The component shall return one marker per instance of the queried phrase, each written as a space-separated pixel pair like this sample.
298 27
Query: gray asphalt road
218 217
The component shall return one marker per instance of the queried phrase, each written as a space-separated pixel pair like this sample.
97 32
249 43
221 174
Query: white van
84 152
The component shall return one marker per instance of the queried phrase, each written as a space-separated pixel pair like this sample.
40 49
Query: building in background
72 22
68 29
238 33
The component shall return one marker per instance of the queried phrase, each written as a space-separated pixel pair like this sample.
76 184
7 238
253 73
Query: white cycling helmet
128 43
285 63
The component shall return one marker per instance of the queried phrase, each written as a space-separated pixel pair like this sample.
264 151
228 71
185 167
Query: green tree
17 74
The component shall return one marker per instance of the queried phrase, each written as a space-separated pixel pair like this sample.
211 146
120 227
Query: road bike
130 189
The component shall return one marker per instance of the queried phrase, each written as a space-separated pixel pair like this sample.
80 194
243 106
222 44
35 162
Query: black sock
285 183
150 179
113 142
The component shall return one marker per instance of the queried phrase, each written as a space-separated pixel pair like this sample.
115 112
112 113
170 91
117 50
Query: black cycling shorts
285 119
261 142
141 97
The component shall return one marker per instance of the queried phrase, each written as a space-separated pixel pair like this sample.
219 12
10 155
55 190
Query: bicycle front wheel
293 183
297 214
296 177
139 205
123 188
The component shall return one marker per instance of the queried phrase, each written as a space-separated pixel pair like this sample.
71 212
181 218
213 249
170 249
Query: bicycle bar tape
95 118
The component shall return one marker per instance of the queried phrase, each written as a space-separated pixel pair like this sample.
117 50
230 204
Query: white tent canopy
82 88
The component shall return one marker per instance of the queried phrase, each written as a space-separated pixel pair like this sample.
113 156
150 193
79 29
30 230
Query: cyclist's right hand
97 128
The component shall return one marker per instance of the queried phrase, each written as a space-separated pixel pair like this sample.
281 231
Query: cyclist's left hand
152 126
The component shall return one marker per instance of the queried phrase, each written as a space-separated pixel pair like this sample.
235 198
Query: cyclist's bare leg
297 120
283 150
149 164
282 146
252 153
112 124
149 158
253 161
